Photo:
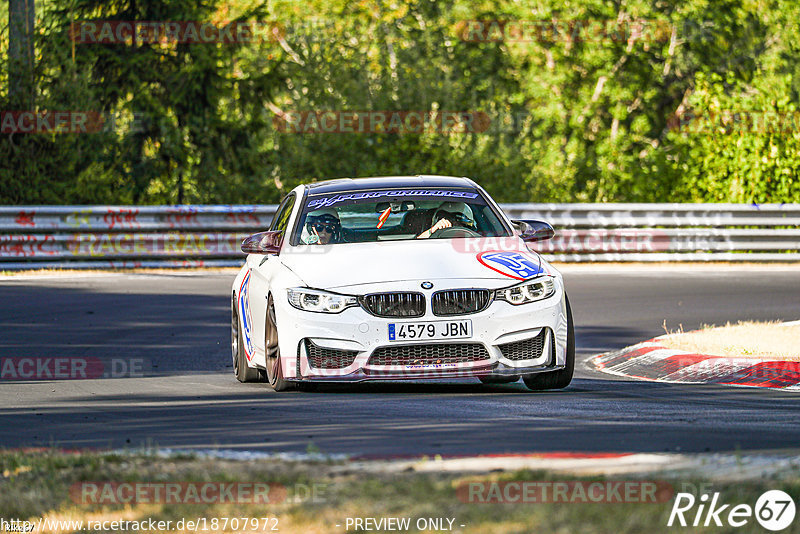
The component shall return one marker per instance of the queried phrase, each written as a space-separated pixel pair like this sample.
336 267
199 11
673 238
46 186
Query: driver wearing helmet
450 214
323 227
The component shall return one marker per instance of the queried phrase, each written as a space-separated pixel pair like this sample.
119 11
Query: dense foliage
702 105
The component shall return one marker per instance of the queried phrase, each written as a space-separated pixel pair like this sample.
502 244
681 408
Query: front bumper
357 332
492 370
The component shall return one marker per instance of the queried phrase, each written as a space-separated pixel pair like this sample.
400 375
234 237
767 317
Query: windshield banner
323 202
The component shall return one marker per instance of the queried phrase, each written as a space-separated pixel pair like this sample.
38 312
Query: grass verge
746 339
322 495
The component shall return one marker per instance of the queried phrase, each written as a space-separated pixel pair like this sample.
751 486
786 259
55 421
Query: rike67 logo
774 510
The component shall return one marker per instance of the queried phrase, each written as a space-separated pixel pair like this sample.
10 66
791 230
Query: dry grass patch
746 339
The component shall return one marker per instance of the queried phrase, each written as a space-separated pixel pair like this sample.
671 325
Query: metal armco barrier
667 232
210 236
127 236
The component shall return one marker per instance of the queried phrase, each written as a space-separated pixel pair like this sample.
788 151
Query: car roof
341 185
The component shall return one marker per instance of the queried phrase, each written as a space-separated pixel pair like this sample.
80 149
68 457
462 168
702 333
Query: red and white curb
651 361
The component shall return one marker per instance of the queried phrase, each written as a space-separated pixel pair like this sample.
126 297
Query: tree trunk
21 19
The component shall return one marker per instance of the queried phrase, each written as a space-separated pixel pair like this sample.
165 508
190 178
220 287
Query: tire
561 378
273 351
242 372
498 379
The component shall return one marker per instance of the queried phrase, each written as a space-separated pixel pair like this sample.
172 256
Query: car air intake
460 301
527 349
394 304
434 353
325 358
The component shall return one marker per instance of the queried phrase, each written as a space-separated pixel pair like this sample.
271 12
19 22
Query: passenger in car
323 227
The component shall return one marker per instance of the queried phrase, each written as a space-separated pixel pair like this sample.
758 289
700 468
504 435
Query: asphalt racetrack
178 325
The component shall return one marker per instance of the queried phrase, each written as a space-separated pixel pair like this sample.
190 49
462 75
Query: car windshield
392 215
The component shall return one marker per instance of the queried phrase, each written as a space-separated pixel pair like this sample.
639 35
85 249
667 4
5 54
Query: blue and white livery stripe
247 318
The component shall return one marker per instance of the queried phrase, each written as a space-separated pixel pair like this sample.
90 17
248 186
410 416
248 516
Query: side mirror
263 243
530 231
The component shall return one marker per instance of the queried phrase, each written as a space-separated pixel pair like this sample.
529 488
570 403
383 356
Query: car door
263 268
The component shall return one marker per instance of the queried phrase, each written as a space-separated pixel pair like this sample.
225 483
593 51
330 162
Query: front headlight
314 300
528 291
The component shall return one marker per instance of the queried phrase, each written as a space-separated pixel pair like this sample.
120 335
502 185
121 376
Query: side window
281 220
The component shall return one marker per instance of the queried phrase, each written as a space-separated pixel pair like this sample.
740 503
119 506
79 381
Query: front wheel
561 378
274 367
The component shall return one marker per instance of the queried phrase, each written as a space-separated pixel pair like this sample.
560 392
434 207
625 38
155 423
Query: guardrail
204 236
127 236
668 232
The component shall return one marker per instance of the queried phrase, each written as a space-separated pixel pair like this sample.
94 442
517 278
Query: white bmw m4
399 278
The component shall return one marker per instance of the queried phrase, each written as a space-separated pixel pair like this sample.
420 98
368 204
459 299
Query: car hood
352 264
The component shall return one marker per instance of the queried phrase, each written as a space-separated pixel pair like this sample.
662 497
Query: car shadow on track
438 387
591 414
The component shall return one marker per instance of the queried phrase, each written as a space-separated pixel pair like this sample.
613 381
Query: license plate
430 330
